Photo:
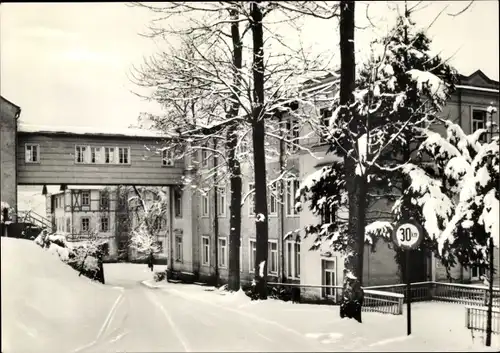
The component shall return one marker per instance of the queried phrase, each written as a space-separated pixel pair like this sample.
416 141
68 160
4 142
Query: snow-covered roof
87 130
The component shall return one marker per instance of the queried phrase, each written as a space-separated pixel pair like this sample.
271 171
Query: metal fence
449 292
389 299
374 301
475 319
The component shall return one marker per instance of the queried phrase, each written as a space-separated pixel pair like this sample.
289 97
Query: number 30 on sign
407 235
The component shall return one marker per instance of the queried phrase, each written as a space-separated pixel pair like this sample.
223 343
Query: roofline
478 88
103 134
18 108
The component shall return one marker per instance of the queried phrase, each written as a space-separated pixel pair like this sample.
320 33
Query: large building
189 241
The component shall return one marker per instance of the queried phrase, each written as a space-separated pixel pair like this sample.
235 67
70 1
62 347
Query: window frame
205 198
127 148
112 159
221 199
167 158
251 258
484 137
83 152
295 184
85 192
179 252
107 230
481 271
177 203
95 151
81 224
251 199
205 246
273 195
30 160
270 254
324 292
222 251
291 259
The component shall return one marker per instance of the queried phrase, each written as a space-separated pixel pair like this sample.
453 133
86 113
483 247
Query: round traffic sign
407 235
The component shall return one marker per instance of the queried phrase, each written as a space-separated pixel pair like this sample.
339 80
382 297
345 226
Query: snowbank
46 306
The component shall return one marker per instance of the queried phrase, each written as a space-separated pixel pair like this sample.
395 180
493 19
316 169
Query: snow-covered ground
46 306
436 326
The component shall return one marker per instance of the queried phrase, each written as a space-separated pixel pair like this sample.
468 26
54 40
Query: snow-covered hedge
83 257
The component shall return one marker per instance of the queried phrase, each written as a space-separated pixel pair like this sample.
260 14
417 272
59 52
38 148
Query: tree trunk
234 165
281 212
352 298
216 217
258 137
235 211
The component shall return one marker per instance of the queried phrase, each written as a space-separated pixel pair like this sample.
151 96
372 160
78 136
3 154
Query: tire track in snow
151 296
242 313
105 324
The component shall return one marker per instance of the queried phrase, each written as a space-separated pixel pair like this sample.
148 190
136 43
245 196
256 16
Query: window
327 214
292 256
479 122
329 278
32 153
85 224
273 201
477 272
167 159
177 203
251 199
205 250
252 255
221 202
293 129
222 252
123 155
80 152
291 188
109 155
56 199
160 246
178 247
104 199
205 205
204 158
326 114
272 257
104 224
68 225
95 154
85 198
241 257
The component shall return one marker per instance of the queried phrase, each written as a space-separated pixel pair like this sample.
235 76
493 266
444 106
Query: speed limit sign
407 235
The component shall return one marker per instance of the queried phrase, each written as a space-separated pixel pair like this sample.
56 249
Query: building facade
188 235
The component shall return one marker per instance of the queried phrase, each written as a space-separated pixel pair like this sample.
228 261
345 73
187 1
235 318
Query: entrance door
329 278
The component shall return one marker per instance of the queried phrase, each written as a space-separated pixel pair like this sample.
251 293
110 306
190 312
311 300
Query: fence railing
439 291
374 301
475 318
383 302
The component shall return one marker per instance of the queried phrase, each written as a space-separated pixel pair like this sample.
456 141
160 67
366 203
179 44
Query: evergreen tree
399 93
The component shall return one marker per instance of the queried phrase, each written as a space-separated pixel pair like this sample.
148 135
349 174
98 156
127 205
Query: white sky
67 63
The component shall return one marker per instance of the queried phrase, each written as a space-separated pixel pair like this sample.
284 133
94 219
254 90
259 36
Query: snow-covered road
161 321
176 317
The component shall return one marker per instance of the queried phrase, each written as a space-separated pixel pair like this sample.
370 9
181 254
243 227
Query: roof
86 130
18 109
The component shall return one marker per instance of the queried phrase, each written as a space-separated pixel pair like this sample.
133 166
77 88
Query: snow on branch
378 229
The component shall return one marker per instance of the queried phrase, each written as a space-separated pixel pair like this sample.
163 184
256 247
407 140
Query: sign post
408 235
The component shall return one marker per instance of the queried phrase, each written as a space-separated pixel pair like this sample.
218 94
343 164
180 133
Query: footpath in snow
46 306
